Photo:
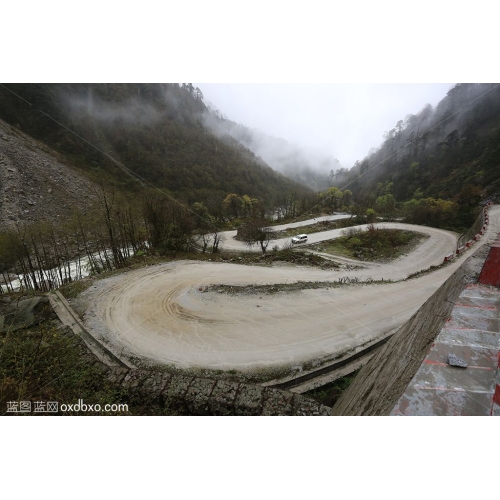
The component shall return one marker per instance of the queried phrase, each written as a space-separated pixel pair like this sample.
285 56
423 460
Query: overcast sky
343 120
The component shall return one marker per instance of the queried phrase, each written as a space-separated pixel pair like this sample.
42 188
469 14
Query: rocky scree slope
35 183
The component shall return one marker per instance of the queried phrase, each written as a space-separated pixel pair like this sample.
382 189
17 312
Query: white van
300 238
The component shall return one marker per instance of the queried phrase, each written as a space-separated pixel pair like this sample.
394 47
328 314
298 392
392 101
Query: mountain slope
36 184
450 152
155 130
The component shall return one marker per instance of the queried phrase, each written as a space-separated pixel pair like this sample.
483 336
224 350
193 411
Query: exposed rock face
35 184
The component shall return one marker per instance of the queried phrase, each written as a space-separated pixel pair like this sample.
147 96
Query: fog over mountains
310 167
307 130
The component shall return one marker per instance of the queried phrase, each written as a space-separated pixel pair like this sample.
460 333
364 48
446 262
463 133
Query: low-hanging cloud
308 166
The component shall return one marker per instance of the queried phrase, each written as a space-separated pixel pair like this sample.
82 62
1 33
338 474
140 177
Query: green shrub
354 243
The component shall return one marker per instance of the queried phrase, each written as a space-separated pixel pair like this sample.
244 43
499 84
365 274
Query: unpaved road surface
160 313
229 243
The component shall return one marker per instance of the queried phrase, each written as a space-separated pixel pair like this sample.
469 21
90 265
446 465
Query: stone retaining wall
209 396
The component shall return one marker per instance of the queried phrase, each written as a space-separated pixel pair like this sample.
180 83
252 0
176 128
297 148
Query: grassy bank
373 244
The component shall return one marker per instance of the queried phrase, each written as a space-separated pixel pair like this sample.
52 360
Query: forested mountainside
311 168
155 130
451 152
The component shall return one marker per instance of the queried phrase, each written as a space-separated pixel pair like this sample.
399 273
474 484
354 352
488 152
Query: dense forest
437 165
155 130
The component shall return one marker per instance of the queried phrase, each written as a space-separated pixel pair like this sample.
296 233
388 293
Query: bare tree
256 232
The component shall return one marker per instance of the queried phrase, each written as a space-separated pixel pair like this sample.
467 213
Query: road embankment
380 383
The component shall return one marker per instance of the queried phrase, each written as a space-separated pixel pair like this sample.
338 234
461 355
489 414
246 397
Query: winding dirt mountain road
160 313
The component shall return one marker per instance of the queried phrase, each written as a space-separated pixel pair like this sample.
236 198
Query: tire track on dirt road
160 314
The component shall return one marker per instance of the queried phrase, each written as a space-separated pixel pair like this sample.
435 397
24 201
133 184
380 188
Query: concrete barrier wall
380 383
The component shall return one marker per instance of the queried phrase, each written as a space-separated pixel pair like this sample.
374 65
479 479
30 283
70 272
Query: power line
127 170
